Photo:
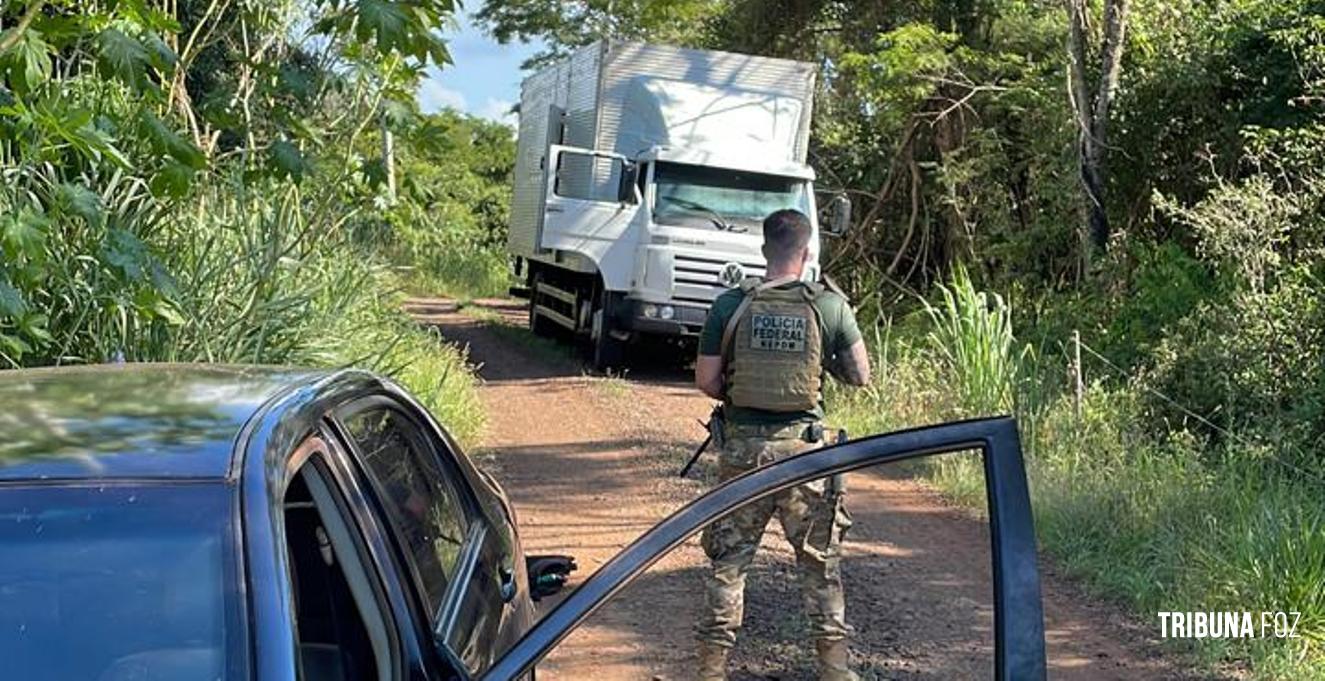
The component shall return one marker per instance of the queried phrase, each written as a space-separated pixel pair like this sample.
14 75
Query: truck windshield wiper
722 223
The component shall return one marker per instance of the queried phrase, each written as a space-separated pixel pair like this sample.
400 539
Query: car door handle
555 209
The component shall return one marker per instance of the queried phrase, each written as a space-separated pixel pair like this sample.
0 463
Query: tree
567 25
1092 111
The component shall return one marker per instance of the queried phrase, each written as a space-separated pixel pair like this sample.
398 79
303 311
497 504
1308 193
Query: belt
808 432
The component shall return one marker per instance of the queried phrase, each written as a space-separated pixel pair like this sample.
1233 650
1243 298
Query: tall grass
464 273
240 273
1154 521
972 337
1167 524
267 284
79 281
438 253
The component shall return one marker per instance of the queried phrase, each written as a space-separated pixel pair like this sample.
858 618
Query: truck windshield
720 198
117 582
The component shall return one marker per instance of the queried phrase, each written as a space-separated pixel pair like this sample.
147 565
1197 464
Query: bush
1155 517
1251 365
158 206
447 228
1141 295
78 281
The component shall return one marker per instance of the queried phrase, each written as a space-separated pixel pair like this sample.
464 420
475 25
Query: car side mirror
548 574
836 218
625 192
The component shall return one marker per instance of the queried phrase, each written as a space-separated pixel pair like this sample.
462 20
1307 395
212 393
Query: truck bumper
653 318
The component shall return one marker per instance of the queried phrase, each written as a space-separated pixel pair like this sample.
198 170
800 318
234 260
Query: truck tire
609 352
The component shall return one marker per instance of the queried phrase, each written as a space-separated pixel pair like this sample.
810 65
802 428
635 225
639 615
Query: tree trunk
1092 112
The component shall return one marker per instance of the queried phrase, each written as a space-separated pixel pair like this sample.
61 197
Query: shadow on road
590 465
519 355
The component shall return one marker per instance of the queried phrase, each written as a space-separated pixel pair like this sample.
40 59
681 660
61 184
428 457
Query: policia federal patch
778 332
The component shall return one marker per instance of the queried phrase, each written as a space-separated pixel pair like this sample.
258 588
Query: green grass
613 386
384 339
1170 526
483 314
1150 520
241 276
462 273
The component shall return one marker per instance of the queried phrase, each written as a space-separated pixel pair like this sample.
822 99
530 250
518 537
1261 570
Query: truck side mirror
838 216
625 192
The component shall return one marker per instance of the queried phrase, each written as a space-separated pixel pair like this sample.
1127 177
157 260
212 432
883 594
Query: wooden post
1078 383
388 157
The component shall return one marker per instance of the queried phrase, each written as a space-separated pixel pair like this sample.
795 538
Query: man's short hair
786 232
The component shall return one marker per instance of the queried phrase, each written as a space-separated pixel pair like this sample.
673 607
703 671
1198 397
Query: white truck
642 176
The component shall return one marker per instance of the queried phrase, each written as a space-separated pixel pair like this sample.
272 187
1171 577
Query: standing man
763 351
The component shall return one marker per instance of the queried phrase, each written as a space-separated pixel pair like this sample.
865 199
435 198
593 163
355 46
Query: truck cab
704 234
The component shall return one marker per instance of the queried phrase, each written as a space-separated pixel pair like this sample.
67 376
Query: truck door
591 198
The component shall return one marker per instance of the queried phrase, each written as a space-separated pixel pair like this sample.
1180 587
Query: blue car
205 522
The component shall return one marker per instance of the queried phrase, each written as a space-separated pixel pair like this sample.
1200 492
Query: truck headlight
651 311
667 312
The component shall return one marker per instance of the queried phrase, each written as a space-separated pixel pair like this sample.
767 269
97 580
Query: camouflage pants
813 520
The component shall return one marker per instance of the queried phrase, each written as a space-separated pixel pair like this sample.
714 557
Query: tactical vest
773 347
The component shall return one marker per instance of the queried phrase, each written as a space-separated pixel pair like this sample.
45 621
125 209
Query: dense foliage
210 180
1188 475
205 180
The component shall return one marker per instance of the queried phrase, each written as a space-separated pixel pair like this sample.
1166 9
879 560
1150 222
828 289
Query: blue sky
484 78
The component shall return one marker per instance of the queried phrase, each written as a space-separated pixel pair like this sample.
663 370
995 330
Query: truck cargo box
628 97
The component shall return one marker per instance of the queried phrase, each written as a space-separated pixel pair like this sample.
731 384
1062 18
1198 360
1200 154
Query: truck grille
696 278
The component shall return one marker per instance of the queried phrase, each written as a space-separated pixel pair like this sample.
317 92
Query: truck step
563 320
551 291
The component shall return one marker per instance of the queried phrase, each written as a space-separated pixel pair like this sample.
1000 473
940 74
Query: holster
831 526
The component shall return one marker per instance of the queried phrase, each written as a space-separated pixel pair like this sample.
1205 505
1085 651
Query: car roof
131 421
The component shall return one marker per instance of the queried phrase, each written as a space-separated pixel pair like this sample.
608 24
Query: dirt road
590 464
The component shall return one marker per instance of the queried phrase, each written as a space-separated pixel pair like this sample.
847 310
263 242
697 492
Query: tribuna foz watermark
1229 624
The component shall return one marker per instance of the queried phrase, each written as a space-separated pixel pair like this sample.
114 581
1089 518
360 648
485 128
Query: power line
1310 476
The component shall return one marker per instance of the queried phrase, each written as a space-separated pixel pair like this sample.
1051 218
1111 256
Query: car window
424 506
476 610
341 629
138 581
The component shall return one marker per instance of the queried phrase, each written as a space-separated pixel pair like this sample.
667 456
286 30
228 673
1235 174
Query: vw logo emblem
732 275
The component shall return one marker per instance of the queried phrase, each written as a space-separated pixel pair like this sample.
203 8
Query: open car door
1019 652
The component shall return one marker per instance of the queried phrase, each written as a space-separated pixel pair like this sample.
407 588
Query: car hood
131 420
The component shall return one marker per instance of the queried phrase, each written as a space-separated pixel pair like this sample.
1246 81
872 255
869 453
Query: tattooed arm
852 367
